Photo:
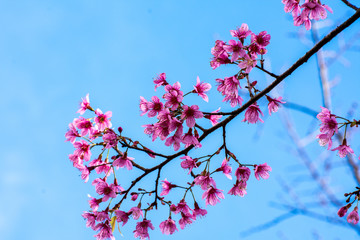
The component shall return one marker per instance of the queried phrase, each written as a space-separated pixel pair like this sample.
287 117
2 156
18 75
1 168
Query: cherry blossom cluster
307 11
176 124
353 216
329 126
173 114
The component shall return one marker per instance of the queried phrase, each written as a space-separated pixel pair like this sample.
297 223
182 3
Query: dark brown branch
267 72
350 5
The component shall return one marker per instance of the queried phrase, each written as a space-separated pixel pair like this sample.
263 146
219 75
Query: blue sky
52 53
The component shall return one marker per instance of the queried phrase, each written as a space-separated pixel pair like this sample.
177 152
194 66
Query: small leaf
112 223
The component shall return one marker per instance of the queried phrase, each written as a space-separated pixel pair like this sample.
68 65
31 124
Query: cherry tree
102 149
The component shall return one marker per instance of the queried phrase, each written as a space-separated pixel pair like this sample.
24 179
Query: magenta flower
353 217
110 139
252 114
105 231
292 6
173 96
212 196
201 88
168 226
84 125
166 187
189 139
182 207
121 216
174 140
186 218
143 106
238 189
242 173
329 125
94 203
101 166
82 150
248 63
274 104
236 48
262 170
90 217
141 230
188 163
343 210
315 10
343 150
242 32
262 39
136 212
205 181
160 80
85 104
72 133
109 191
103 120
325 113
225 168
325 139
155 106
123 161
198 211
190 113
214 119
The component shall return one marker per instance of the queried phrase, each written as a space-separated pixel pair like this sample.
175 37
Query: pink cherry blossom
105 231
101 166
325 139
201 88
343 150
109 191
103 120
143 106
274 104
242 32
84 105
168 226
262 170
173 96
123 161
238 189
190 113
182 207
242 173
292 6
197 211
189 139
248 63
188 163
262 39
214 119
212 196
154 106
160 80
225 168
72 133
205 181
353 217
94 203
84 125
90 217
110 139
186 218
252 114
236 48
174 140
82 150
141 230
166 187
121 216
136 212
